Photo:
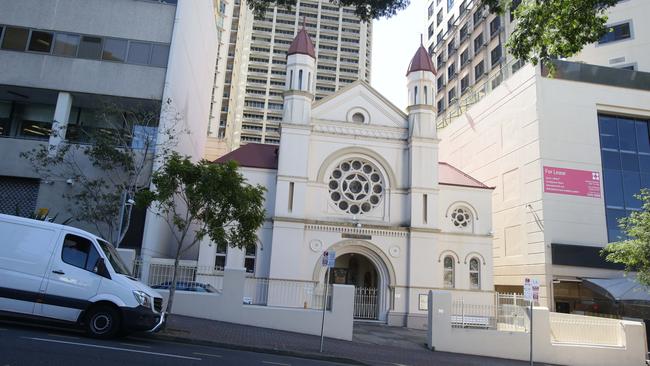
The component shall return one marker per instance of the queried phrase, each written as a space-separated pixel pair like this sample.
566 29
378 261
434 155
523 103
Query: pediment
361 98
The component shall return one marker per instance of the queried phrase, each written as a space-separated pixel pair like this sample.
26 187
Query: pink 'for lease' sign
573 182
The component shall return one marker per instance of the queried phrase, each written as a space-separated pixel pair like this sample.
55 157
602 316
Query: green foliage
634 252
548 29
199 199
364 9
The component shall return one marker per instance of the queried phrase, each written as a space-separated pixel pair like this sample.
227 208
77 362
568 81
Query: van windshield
114 258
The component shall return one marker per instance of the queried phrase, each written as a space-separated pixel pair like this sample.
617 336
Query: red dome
302 44
421 62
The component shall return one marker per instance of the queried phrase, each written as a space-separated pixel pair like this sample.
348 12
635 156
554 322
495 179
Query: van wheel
102 321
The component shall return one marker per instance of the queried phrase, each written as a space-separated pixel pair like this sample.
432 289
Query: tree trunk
172 287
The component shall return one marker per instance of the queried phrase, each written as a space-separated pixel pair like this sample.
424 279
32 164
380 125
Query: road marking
206 354
276 363
3 328
62 336
114 348
135 345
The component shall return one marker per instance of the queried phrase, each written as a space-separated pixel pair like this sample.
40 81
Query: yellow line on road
206 354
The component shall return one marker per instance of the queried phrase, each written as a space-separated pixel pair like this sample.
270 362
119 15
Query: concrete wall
516 345
228 307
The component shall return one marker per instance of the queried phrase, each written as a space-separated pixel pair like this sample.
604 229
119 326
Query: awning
621 289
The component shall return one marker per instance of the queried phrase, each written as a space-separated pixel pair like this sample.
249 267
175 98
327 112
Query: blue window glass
625 155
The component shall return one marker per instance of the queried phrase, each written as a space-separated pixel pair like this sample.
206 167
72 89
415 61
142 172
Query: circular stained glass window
461 217
356 186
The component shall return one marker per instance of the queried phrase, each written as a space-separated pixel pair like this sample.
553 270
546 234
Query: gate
366 305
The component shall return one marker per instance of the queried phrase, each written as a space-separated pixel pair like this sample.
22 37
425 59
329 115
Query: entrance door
366 304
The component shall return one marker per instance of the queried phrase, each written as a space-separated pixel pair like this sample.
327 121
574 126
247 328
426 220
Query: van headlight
142 298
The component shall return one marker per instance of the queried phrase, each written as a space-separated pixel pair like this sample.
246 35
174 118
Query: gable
359 97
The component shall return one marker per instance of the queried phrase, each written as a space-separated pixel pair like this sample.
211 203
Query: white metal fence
509 312
257 291
366 304
586 330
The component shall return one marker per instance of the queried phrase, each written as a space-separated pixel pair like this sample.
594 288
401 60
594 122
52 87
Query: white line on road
62 336
3 328
135 345
276 363
114 348
206 354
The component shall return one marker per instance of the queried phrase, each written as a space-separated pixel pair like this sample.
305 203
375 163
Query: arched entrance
365 266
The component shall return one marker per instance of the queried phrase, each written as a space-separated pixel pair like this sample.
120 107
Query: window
461 218
415 95
464 57
441 105
15 39
450 3
616 33
625 156
451 47
220 259
430 12
440 59
90 48
41 42
439 17
66 44
495 55
450 23
79 252
356 186
451 95
462 8
448 272
464 32
451 71
139 53
36 120
474 274
440 82
114 50
464 84
290 198
249 259
430 30
159 55
478 42
478 16
5 118
426 95
300 80
479 70
495 25
439 36
358 118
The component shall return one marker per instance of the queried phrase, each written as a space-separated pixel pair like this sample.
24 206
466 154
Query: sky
394 42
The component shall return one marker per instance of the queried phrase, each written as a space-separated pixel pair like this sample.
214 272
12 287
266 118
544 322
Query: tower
299 84
423 142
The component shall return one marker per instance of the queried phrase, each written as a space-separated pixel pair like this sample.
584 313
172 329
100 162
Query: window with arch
461 217
291 79
426 97
309 81
474 274
415 95
299 79
358 118
448 272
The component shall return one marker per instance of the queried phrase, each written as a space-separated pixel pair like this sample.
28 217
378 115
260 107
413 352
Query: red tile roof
253 156
302 44
421 61
265 156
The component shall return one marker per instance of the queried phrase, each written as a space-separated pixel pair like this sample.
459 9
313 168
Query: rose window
356 186
461 218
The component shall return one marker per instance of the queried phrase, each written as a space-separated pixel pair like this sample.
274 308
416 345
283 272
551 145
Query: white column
61 118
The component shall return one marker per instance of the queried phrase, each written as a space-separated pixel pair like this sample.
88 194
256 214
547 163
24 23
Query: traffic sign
531 289
328 259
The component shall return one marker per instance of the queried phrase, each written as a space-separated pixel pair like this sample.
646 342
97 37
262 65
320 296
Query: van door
71 280
25 252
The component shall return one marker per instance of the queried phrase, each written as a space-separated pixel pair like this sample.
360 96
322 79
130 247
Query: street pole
322 324
531 333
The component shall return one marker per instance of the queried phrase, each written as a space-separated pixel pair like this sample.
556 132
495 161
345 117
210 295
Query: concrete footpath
373 344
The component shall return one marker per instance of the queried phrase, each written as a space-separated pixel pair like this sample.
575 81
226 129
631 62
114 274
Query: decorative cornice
355 130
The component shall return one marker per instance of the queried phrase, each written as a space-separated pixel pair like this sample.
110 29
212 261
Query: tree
106 166
545 28
634 252
199 199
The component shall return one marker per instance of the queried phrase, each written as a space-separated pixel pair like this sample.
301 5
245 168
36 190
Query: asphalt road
29 345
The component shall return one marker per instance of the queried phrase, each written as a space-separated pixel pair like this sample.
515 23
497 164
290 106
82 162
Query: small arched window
461 217
415 95
448 272
426 97
300 80
291 79
474 274
309 81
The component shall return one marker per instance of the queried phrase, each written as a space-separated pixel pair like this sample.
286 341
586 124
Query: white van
67 274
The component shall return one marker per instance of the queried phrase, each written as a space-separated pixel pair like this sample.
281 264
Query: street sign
328 259
531 289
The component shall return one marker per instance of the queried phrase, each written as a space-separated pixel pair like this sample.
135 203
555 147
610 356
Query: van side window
79 252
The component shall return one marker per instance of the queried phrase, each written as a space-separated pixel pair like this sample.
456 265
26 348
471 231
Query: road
29 345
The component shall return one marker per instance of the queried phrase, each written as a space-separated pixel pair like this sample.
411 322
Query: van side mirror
100 268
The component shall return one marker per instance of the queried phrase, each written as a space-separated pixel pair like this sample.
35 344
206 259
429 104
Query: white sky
394 42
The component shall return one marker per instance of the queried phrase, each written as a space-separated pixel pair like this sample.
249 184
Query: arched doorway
357 270
362 263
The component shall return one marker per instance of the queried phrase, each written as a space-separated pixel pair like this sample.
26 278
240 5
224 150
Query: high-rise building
467 45
250 109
